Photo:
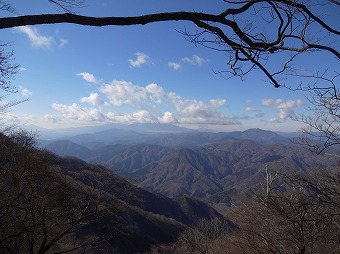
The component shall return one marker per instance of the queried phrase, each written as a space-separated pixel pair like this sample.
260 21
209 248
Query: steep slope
138 217
126 158
53 203
68 148
183 172
120 158
211 170
128 193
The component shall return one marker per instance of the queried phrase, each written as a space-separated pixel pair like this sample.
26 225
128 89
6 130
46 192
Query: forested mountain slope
213 166
49 203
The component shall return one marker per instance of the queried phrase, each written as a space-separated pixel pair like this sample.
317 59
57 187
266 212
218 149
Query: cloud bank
284 108
124 102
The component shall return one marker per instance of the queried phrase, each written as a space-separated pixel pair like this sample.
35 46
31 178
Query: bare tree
208 236
264 35
41 208
8 70
4 6
323 121
68 5
253 34
293 213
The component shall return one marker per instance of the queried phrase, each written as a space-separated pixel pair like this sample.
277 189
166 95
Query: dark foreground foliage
289 213
54 205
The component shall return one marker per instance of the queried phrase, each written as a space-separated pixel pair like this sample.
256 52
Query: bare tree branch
289 25
323 124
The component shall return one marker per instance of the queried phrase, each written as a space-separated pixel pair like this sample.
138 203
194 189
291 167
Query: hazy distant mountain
109 136
155 133
146 128
153 128
170 139
126 150
211 169
261 136
199 164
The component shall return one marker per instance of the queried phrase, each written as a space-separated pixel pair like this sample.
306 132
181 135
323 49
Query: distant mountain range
215 170
206 165
167 135
146 128
142 128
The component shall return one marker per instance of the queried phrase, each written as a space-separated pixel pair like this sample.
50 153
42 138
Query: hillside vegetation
211 166
53 205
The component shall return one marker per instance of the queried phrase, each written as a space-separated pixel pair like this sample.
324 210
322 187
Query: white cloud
194 60
37 40
175 66
88 77
285 104
191 111
9 118
284 108
141 104
156 93
141 58
93 99
123 93
25 92
50 118
141 116
250 109
218 102
274 120
168 118
76 113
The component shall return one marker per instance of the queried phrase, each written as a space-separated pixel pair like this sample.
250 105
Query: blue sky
75 76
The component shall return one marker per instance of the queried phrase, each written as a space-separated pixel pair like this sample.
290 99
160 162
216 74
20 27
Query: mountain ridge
204 164
178 139
46 194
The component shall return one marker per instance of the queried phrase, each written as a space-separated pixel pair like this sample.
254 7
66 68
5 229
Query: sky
75 75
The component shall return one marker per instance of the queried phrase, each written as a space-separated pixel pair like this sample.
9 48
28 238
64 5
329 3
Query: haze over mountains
177 161
152 133
146 128
168 183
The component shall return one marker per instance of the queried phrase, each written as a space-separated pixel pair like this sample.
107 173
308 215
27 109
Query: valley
161 193
210 166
